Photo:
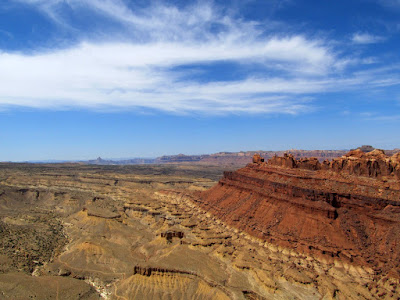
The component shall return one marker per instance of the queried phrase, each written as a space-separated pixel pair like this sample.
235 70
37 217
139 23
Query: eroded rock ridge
346 209
356 162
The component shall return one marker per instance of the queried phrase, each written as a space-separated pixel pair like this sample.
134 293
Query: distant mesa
365 148
347 208
374 163
132 161
179 158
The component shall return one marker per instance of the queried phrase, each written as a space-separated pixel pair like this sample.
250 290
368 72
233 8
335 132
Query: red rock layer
323 209
372 164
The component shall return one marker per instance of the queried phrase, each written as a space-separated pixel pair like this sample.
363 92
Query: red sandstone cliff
372 164
347 208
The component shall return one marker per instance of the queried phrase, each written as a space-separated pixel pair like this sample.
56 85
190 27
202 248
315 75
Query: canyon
284 228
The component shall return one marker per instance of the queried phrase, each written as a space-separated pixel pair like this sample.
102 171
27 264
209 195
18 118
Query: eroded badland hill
282 229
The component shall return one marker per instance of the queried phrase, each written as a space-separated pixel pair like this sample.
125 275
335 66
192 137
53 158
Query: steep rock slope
347 209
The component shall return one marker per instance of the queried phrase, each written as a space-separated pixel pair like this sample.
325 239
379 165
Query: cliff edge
346 209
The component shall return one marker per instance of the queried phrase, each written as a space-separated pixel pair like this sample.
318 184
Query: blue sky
119 78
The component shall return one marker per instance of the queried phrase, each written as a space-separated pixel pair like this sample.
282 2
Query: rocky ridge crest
372 164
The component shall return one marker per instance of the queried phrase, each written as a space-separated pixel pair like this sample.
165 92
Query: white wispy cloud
366 38
137 71
373 116
6 33
390 3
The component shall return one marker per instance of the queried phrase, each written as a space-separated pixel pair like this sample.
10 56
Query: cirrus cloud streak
138 70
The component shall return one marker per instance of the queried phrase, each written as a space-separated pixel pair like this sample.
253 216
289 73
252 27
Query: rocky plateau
283 228
344 212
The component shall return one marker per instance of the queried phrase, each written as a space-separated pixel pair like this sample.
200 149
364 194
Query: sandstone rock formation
373 164
257 159
149 232
347 209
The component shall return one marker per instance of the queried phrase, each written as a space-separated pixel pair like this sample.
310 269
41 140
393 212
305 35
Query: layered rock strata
134 232
347 209
373 164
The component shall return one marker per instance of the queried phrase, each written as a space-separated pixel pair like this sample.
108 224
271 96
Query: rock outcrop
257 159
168 235
347 209
372 164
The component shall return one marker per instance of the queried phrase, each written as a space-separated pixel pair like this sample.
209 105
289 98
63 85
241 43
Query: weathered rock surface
346 210
135 232
257 159
372 164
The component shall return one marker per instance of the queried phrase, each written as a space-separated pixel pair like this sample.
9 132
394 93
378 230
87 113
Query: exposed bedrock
373 164
147 271
168 235
347 209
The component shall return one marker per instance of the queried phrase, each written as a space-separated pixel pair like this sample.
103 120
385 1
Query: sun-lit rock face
257 159
347 209
373 164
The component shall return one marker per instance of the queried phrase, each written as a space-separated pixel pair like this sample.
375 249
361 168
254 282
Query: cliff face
346 209
373 164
